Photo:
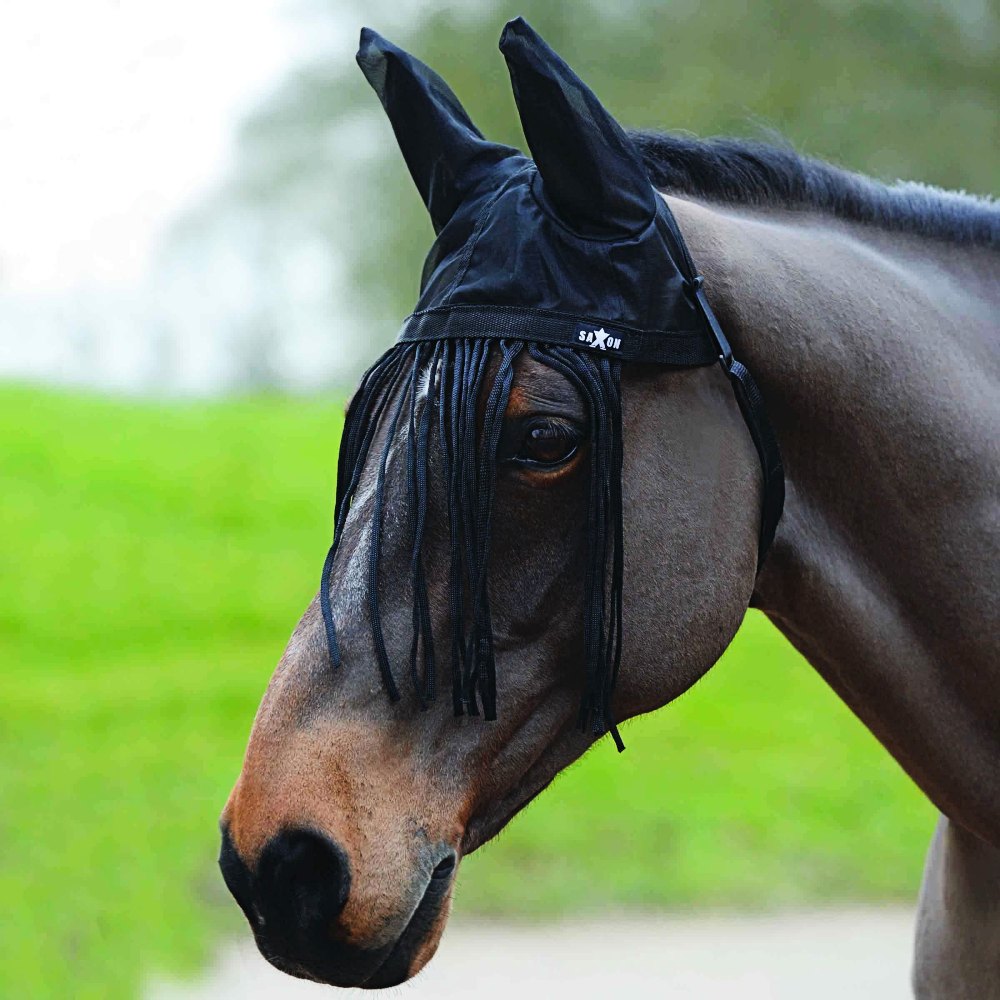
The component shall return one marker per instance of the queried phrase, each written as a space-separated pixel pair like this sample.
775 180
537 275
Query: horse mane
748 172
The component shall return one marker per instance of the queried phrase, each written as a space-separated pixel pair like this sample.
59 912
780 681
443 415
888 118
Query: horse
869 315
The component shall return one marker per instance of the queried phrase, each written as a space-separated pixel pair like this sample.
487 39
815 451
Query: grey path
856 954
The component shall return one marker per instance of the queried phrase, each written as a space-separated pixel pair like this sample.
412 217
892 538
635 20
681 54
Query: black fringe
455 374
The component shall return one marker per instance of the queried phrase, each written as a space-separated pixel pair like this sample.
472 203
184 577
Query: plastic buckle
695 288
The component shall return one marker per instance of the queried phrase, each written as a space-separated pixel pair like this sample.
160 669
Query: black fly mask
571 256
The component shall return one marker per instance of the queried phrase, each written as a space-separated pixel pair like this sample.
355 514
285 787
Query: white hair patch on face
424 380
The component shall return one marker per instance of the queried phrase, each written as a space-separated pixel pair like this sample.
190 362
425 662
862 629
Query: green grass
155 558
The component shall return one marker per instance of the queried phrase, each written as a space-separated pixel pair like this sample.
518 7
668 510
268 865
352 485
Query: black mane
745 172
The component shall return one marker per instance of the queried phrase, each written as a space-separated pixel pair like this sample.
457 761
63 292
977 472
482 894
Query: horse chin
419 941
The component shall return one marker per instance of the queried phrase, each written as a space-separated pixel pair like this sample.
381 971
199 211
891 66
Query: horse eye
547 443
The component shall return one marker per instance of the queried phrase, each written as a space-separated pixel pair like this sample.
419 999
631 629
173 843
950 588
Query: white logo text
600 339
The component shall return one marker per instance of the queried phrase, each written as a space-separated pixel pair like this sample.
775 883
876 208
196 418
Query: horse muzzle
296 900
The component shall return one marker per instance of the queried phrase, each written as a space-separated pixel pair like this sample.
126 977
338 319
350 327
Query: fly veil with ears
571 256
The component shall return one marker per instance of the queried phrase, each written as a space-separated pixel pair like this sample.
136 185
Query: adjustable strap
751 404
748 396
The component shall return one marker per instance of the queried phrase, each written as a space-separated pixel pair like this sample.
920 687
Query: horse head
547 522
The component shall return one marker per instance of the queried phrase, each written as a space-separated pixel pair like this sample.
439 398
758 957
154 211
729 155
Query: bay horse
869 315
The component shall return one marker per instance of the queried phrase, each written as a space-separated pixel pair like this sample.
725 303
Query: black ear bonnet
570 255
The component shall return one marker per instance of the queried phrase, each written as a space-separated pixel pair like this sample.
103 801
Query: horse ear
591 173
445 153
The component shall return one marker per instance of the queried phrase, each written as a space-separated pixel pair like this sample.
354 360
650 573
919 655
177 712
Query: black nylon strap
751 404
748 395
683 348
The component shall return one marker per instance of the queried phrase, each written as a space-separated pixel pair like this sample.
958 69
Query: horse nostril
303 880
444 868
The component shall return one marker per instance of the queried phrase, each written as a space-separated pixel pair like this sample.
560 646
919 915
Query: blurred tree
895 88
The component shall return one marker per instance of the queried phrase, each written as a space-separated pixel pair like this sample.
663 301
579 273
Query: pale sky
116 118
116 114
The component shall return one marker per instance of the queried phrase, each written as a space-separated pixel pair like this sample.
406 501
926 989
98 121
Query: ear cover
591 173
446 154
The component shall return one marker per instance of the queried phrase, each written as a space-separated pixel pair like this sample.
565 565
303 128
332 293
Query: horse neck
878 358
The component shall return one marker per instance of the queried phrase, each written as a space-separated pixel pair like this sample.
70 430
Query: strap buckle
696 291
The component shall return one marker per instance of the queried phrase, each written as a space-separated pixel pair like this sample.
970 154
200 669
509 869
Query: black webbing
748 395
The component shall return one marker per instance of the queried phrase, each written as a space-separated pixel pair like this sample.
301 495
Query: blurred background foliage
156 558
157 553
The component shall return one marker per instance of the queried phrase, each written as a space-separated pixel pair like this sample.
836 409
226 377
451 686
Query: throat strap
748 395
751 404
